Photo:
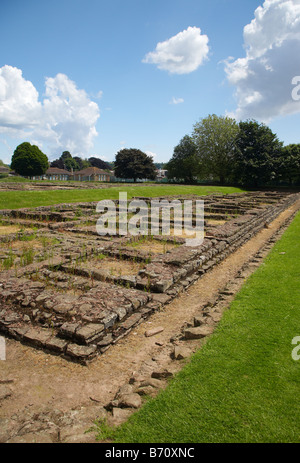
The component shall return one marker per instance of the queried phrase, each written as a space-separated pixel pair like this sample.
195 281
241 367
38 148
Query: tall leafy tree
257 155
96 162
66 161
215 138
184 165
133 163
81 163
289 164
28 160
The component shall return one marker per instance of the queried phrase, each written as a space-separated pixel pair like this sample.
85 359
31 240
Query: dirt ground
38 380
7 230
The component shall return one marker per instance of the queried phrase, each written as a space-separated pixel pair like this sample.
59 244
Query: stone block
89 333
198 332
81 353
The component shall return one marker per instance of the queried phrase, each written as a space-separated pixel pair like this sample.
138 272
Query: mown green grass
243 385
19 199
15 180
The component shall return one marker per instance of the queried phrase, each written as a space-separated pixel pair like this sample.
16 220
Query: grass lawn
243 385
15 180
19 199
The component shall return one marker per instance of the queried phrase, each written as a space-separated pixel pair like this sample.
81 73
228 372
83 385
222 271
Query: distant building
54 173
161 174
91 174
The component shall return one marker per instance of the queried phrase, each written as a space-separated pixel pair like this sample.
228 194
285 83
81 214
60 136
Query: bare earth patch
9 229
32 244
153 246
114 267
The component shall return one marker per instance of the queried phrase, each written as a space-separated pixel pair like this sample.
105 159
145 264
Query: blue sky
94 76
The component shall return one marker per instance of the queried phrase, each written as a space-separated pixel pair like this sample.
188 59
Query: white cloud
64 120
176 100
19 105
263 78
152 155
181 54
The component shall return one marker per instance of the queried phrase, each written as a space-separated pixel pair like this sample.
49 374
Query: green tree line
246 153
68 162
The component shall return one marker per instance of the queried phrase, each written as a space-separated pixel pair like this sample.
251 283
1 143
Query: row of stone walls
60 306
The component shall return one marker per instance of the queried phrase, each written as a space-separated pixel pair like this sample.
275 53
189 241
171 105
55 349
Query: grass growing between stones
243 385
19 199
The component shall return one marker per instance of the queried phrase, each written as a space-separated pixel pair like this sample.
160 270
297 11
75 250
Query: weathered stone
119 416
128 280
85 307
10 318
62 308
199 320
180 353
162 286
154 331
147 391
56 344
81 353
26 302
162 298
121 312
109 320
136 304
18 331
132 400
36 337
162 374
136 377
42 297
216 316
227 293
68 330
89 333
105 341
131 321
198 332
156 383
126 389
48 305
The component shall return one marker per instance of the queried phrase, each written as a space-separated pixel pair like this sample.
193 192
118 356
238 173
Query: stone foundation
73 293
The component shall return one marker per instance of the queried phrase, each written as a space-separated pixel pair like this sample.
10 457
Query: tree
215 140
257 155
288 169
96 162
133 163
185 161
81 163
28 160
66 161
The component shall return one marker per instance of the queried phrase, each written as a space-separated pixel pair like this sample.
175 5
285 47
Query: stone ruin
71 292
